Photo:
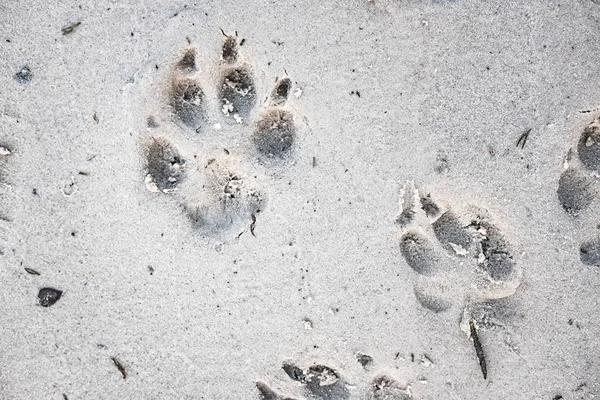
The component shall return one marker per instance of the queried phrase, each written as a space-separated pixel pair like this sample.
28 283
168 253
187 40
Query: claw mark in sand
364 359
407 203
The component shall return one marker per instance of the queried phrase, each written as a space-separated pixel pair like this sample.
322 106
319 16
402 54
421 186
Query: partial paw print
219 196
5 153
274 132
219 192
459 259
578 185
321 382
318 381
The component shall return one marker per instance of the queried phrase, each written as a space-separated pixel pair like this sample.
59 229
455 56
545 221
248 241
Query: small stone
24 75
48 296
308 325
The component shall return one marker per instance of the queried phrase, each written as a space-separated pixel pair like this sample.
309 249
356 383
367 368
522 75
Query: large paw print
578 184
459 259
219 193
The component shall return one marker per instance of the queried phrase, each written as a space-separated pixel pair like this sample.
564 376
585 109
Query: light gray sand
446 89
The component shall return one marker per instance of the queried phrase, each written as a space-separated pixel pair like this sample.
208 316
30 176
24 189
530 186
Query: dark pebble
49 296
24 75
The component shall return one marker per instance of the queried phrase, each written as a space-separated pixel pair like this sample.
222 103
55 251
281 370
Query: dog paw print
458 259
578 184
219 190
322 382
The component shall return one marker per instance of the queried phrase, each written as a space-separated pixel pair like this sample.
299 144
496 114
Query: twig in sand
478 349
119 367
31 271
70 28
588 111
523 139
253 224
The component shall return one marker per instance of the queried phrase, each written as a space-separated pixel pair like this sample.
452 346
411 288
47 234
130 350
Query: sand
254 261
